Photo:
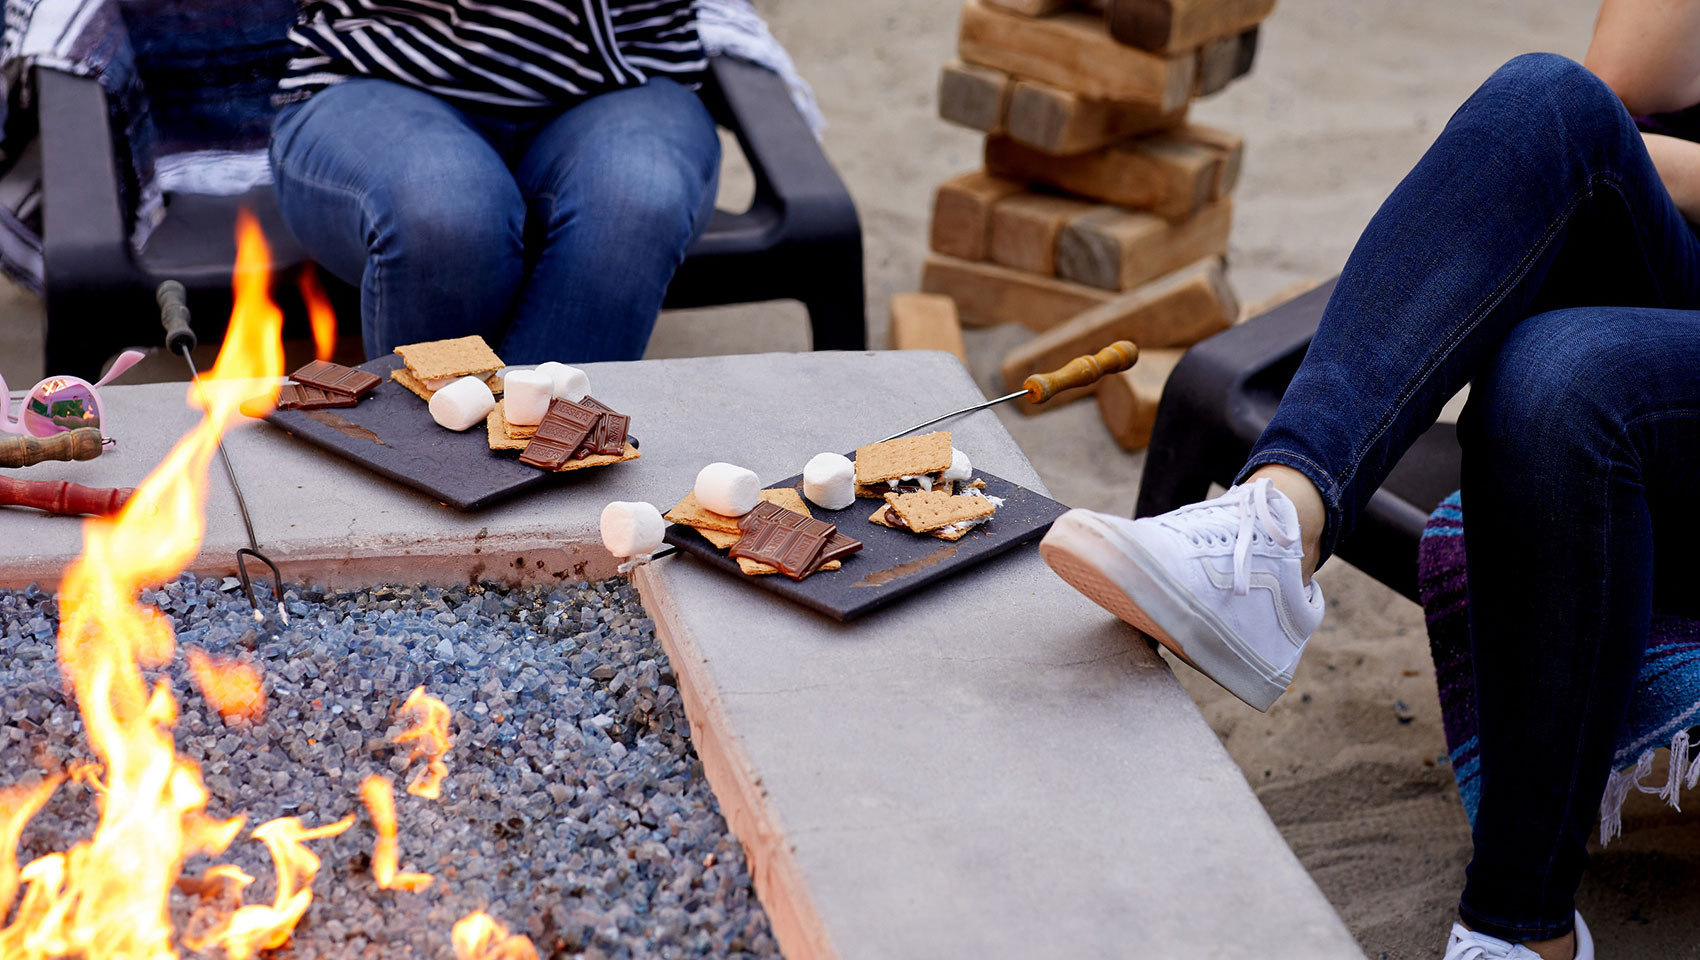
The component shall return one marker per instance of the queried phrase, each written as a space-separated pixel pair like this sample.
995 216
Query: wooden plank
1224 60
1073 51
926 321
1025 228
973 97
1127 401
962 213
987 295
1167 26
1117 249
1058 121
1161 173
1229 148
1176 311
1032 8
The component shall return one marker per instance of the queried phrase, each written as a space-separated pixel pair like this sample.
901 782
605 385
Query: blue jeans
554 236
1535 254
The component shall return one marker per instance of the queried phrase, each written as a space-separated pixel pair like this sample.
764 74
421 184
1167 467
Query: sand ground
1345 96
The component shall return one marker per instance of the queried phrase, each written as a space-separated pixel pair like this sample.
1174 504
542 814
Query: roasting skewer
62 497
83 443
180 339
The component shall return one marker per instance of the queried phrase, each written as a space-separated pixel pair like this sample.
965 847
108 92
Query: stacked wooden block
1101 211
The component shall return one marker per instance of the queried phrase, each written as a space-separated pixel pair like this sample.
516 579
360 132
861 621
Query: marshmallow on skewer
526 397
463 403
568 383
631 529
829 480
960 468
727 489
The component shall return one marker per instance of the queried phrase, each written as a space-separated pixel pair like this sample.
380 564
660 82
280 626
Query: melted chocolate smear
340 424
881 577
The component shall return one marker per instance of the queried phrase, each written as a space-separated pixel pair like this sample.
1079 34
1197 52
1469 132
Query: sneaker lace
1238 515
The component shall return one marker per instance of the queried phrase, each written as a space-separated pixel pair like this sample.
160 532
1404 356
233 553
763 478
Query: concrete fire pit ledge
993 768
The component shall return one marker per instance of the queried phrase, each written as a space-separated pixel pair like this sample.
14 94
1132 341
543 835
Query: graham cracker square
929 510
601 459
693 514
756 569
418 388
459 357
903 457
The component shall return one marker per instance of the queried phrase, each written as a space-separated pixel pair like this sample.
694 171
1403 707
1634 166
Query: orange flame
319 313
107 897
233 688
431 728
477 936
379 796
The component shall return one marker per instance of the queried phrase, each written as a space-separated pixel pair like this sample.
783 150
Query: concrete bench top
992 768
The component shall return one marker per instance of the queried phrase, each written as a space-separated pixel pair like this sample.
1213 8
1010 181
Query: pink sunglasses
60 404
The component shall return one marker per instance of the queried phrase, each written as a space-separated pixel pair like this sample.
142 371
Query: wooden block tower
1100 210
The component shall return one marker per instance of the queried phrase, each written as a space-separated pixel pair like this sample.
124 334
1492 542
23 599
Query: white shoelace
1238 515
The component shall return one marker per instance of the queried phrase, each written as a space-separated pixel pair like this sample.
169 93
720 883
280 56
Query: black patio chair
800 239
1224 392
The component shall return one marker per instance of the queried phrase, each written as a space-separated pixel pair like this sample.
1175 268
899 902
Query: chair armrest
798 194
85 241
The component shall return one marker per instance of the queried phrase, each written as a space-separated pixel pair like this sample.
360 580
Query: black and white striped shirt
496 53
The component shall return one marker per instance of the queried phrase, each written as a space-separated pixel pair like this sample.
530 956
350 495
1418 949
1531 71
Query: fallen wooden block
962 213
926 321
1163 173
987 295
1073 51
1058 121
1224 60
1166 26
1025 227
1127 401
1117 249
974 97
1032 8
1175 311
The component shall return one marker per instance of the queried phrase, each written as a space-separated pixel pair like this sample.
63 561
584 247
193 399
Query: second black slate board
390 432
892 563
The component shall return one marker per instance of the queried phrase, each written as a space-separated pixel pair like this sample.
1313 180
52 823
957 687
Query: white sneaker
1469 945
1219 583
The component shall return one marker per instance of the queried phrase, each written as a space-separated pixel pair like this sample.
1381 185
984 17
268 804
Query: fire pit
574 810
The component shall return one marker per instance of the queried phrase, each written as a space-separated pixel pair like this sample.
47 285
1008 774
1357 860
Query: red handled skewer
63 497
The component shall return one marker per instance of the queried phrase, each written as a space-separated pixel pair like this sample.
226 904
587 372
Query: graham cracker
460 357
882 516
412 383
601 459
721 541
903 457
756 569
693 514
501 435
929 510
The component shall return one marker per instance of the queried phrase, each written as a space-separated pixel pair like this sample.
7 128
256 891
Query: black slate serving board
892 563
390 432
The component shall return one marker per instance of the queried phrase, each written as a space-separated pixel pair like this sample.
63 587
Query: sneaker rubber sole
1122 577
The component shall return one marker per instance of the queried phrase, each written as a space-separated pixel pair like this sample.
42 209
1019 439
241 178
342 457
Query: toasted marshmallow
526 397
829 481
462 403
960 468
567 383
727 489
631 529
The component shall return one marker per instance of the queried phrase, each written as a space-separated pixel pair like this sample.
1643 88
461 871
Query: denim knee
463 226
1543 100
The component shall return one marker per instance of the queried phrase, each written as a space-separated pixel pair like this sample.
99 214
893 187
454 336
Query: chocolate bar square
294 396
558 437
335 378
609 437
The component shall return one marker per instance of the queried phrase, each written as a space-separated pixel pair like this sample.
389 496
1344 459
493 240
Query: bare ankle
1307 500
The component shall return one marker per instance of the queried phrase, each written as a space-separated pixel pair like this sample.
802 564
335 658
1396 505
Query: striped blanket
1666 705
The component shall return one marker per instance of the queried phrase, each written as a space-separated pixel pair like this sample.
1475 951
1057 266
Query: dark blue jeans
553 237
1535 254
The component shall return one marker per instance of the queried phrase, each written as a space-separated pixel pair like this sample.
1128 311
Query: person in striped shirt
532 171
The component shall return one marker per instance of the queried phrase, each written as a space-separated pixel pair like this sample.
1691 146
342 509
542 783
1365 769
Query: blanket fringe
1683 769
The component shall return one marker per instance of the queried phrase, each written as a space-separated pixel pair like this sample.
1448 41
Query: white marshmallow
829 480
960 468
463 403
631 529
569 383
727 489
526 396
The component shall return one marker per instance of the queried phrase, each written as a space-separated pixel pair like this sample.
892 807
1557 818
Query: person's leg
617 189
395 190
1538 195
1583 434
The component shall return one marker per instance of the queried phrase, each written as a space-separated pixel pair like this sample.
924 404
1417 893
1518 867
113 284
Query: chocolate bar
335 378
838 547
794 550
558 437
609 437
294 396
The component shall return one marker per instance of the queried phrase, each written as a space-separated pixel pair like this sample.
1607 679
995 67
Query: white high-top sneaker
1219 583
1466 944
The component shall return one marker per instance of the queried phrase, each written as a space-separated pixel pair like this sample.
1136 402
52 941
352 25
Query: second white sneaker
1220 583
